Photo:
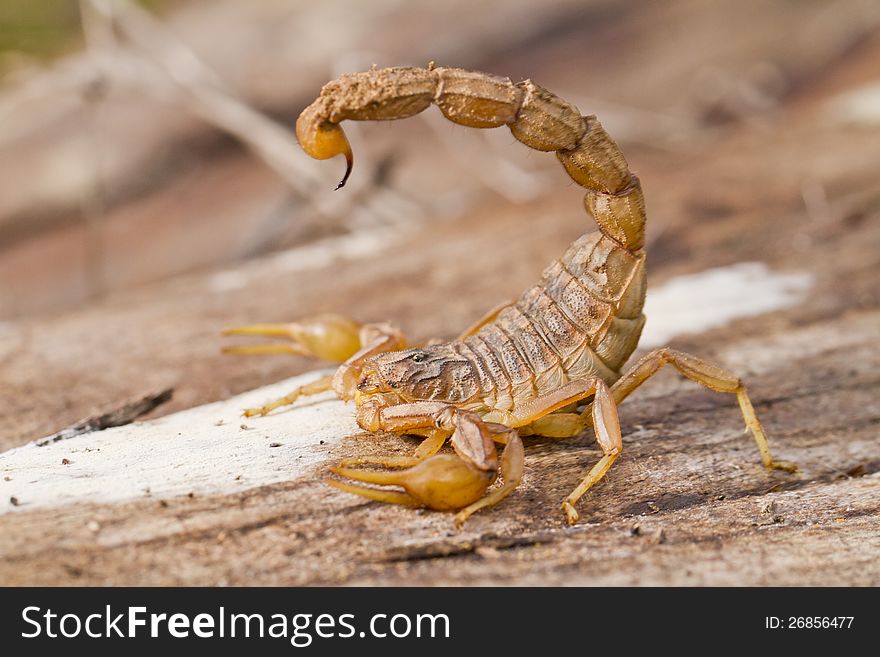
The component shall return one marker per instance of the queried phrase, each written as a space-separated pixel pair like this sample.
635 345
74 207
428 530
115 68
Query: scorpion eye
419 357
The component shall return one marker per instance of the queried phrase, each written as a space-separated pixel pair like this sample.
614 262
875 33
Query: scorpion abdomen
583 319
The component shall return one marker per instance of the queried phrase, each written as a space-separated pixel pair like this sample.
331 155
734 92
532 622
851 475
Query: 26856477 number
808 622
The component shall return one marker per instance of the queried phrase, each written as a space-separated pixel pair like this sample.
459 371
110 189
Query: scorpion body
574 325
527 365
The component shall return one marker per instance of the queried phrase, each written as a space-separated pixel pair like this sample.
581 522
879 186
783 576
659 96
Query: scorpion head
434 373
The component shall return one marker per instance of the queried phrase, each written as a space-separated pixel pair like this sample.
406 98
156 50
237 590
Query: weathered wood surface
687 503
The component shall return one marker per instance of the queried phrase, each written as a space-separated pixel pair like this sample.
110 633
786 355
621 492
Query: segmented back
583 319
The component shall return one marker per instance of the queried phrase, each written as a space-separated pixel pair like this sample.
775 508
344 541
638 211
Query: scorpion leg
556 425
443 481
512 466
605 423
709 375
607 427
323 384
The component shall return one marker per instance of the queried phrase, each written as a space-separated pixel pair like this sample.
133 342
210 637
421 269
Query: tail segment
536 117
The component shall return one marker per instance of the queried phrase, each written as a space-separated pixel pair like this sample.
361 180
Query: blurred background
142 140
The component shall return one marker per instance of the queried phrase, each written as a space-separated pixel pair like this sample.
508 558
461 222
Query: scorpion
549 364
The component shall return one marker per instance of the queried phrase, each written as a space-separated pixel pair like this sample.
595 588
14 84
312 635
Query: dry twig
115 418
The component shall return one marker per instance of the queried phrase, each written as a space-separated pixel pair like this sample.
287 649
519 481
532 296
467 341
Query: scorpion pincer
547 364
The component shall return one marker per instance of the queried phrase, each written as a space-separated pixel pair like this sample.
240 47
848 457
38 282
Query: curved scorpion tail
536 117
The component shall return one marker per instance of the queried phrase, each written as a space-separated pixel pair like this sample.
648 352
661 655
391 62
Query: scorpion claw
330 337
443 482
389 496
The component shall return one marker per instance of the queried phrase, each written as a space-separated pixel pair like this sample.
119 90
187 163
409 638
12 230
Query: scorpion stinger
525 365
349 164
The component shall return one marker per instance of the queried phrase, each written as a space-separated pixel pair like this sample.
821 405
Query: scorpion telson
547 364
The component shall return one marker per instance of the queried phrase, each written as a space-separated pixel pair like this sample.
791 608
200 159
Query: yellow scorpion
548 364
